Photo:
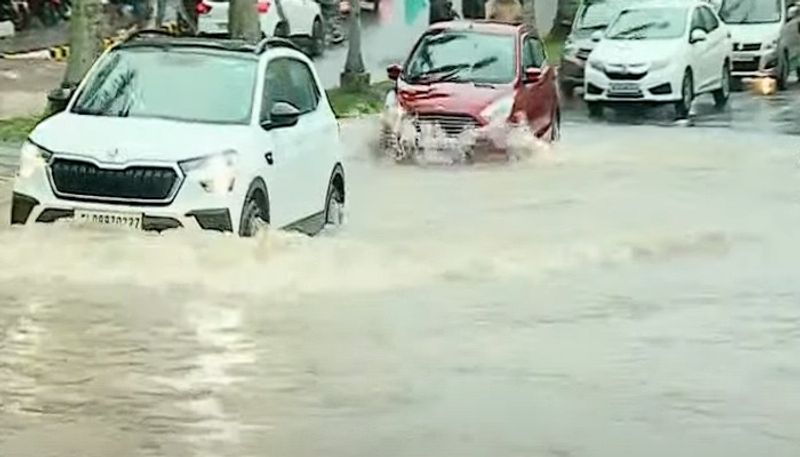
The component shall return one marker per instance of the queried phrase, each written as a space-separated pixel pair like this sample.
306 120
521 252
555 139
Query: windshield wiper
633 30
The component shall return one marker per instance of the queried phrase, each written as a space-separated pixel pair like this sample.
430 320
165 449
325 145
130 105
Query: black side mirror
59 98
282 114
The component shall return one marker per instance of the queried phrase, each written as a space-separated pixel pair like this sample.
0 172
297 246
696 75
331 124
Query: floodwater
632 292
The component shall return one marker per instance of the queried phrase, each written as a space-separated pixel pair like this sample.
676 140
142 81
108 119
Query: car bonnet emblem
113 155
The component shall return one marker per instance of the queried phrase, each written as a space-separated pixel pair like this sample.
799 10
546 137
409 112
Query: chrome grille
625 76
83 180
583 53
746 46
452 124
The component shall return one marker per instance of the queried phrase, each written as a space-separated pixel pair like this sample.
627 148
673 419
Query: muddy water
632 292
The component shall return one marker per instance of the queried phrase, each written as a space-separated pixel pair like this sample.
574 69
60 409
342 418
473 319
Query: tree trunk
354 76
187 15
243 21
529 15
282 14
85 39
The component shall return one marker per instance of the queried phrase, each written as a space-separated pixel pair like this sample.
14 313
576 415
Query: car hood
449 97
134 139
635 51
754 33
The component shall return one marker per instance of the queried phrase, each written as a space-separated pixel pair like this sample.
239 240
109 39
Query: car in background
660 52
303 23
592 16
169 132
472 76
766 38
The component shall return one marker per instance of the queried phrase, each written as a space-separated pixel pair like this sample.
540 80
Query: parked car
303 23
592 16
660 52
471 76
169 132
766 38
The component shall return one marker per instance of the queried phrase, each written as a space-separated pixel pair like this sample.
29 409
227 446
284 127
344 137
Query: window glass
533 53
291 81
655 23
710 20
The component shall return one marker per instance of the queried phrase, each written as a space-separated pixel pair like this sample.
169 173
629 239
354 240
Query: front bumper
192 207
754 64
654 86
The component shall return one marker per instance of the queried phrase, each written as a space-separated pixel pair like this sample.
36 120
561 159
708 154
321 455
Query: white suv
303 21
660 52
180 132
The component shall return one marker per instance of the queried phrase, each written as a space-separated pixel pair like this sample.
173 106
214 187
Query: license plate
109 219
742 58
624 87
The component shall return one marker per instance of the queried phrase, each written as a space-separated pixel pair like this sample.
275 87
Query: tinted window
710 19
180 84
649 24
533 53
697 20
463 56
750 11
290 81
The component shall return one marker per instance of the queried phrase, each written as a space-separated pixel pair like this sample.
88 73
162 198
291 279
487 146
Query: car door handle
270 158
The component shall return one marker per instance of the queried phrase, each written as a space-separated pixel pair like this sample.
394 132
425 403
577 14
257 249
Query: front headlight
216 173
596 64
499 111
32 158
771 45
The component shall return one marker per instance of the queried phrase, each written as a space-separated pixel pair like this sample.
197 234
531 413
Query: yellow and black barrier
61 53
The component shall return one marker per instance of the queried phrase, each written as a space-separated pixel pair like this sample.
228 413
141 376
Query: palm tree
565 14
355 76
243 21
529 14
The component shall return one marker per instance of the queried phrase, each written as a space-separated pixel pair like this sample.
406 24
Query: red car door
537 97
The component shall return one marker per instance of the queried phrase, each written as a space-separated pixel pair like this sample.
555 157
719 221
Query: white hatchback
660 52
171 132
303 23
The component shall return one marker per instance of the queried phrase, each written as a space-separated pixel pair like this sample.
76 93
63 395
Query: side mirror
793 12
393 72
283 114
597 36
59 98
698 36
533 75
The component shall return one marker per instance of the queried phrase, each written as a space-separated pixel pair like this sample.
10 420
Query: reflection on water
635 297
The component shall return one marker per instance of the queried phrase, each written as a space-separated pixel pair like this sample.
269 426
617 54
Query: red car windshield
458 56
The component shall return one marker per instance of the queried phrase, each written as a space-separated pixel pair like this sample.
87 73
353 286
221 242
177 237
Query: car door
320 136
718 44
537 99
700 54
289 148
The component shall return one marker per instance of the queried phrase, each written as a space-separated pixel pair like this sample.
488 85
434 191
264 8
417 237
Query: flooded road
631 292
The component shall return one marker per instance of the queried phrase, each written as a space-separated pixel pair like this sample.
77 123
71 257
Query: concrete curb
61 53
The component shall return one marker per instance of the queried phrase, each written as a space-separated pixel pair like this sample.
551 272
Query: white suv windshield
649 24
463 56
750 11
194 85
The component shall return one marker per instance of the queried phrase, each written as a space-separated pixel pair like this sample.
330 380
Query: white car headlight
770 45
596 64
500 110
32 158
216 173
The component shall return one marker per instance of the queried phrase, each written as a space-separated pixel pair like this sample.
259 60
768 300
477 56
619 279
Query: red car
472 76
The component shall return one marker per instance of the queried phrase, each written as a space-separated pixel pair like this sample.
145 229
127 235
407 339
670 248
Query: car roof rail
274 42
141 33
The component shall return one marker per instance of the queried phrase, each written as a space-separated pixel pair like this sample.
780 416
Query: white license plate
742 58
624 87
130 221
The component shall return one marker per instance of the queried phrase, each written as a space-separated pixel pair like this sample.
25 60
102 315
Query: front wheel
783 71
684 105
595 109
722 94
555 130
253 218
334 205
282 30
